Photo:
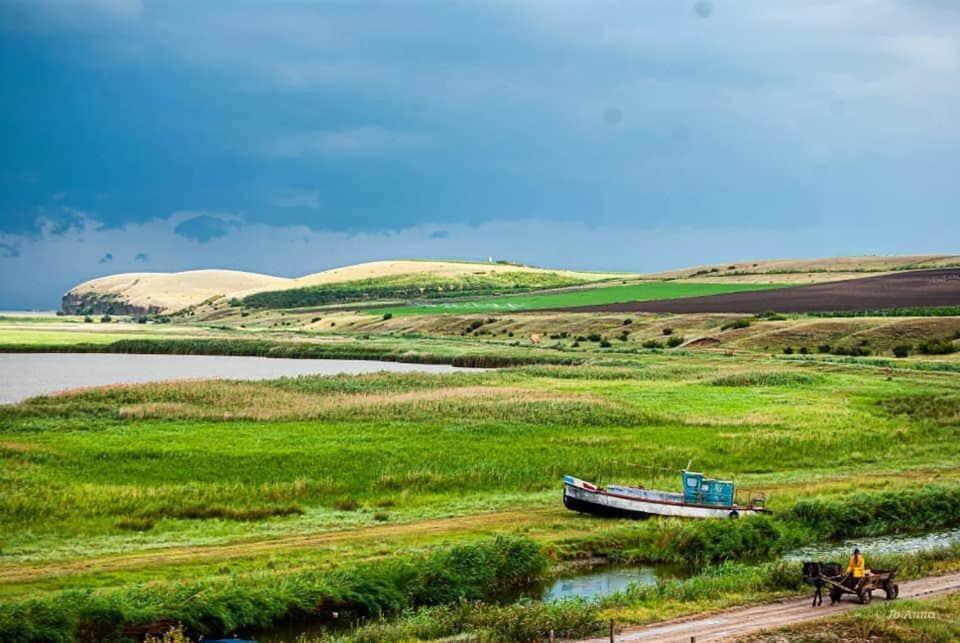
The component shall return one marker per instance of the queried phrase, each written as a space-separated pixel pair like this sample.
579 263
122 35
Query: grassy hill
141 293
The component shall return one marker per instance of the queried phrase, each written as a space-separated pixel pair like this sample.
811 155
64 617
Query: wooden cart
875 579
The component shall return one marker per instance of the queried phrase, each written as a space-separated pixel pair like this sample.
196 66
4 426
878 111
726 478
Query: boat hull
601 503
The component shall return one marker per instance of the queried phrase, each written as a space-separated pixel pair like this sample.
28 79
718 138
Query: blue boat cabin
699 490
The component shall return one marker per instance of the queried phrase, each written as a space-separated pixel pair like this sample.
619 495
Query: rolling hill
142 293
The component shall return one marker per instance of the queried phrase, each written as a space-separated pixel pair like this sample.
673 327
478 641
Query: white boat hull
603 503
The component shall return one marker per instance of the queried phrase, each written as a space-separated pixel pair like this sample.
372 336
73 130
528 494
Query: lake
30 374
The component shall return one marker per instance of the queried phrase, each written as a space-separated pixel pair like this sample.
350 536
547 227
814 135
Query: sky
292 137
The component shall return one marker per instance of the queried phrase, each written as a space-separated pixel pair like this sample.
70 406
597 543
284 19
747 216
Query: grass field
259 482
579 297
378 494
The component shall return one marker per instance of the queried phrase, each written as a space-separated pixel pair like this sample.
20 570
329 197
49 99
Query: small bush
735 324
851 351
824 348
594 337
87 319
674 341
387 316
604 343
788 350
627 321
667 331
902 350
652 343
106 319
936 347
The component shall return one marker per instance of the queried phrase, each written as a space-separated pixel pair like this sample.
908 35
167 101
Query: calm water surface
587 583
896 544
28 375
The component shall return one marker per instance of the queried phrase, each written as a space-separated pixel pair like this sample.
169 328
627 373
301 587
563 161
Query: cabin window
705 487
691 482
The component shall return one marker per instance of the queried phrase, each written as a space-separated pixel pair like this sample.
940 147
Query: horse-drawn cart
863 589
829 575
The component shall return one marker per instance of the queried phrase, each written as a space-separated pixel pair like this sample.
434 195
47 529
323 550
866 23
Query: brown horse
815 572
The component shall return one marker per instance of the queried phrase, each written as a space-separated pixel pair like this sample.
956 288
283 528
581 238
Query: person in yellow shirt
856 568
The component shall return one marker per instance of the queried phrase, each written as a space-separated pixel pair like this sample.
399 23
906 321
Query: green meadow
145 492
588 296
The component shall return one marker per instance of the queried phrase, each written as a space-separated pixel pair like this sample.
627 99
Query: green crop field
581 297
269 497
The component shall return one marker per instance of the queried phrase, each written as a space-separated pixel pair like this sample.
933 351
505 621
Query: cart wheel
734 514
892 592
865 596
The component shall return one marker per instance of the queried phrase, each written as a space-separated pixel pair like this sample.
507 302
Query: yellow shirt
857 566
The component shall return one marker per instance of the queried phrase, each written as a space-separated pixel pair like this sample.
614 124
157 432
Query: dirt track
731 624
12 574
912 289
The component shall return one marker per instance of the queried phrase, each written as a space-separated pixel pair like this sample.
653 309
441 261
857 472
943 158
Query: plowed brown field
914 289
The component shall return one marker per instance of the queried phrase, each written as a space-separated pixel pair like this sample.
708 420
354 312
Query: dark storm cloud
368 118
203 228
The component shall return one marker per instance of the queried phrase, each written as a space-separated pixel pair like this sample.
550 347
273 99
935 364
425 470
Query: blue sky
290 137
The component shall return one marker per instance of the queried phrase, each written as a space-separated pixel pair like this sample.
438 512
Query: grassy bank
213 606
397 351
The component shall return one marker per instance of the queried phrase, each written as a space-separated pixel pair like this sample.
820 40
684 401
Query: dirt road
734 623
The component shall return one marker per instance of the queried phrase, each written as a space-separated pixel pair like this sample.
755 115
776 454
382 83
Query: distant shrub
234 302
387 316
667 331
824 348
936 347
106 319
652 343
674 341
604 343
788 350
770 315
851 351
594 337
902 350
87 319
736 323
804 350
627 321
624 336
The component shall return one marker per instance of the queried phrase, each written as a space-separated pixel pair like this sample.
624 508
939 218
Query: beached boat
701 497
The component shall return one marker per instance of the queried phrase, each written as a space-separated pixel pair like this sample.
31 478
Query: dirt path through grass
438 527
732 624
